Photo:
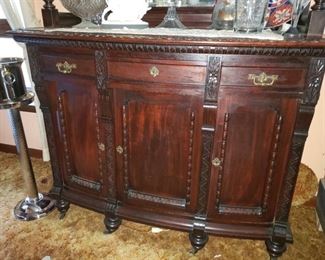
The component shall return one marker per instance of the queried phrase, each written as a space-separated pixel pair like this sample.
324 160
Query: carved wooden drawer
265 72
266 78
162 71
78 65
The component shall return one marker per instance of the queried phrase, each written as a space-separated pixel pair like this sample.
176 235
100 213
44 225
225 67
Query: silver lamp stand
35 205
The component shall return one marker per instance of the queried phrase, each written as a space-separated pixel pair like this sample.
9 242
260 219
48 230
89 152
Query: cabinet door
249 162
78 136
157 148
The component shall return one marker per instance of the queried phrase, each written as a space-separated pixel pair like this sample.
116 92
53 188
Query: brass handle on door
216 162
65 67
263 79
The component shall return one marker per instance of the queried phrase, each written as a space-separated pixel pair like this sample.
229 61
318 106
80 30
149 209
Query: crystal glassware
89 11
171 19
249 15
223 15
297 9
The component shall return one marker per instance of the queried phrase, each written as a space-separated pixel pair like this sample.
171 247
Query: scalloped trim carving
156 199
267 51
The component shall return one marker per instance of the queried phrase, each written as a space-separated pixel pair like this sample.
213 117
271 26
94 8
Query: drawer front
83 65
179 72
275 78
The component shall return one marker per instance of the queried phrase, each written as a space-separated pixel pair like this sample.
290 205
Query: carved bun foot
112 223
62 206
198 240
275 249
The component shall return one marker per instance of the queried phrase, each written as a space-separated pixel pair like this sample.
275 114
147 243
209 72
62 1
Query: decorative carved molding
207 143
86 183
272 163
106 122
314 83
33 58
213 78
101 68
110 160
125 151
57 179
111 207
240 210
190 159
296 150
222 158
100 145
156 199
63 128
153 48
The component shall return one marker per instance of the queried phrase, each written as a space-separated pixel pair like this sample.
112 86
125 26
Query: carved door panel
157 148
78 133
248 161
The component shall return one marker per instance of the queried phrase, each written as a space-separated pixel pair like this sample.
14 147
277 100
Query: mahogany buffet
196 134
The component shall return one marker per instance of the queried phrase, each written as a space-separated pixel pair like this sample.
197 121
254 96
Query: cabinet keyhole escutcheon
119 149
154 71
216 162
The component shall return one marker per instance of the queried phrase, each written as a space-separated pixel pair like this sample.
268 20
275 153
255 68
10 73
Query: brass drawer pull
216 162
119 149
154 71
263 79
65 67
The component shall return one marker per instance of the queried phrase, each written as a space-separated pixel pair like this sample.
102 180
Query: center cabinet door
157 147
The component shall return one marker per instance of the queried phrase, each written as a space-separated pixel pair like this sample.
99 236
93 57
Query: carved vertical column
317 20
50 14
106 136
281 233
198 235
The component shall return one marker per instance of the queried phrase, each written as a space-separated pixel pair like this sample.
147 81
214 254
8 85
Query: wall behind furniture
9 48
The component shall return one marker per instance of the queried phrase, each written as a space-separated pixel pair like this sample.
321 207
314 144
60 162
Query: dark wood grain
195 146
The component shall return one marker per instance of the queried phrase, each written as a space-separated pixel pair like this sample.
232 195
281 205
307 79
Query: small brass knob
119 149
154 71
101 147
216 162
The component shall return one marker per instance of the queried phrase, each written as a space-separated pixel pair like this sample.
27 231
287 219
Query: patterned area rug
80 234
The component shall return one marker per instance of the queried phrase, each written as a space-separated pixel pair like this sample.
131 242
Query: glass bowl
89 11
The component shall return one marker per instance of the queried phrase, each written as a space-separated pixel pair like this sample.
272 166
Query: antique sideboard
198 134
